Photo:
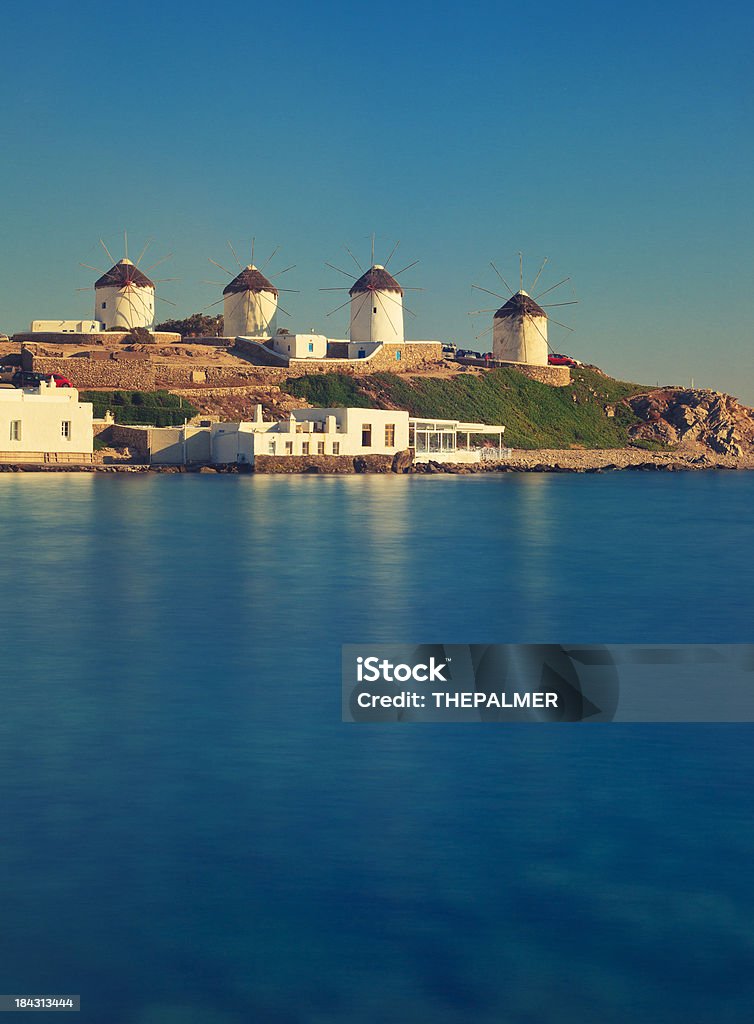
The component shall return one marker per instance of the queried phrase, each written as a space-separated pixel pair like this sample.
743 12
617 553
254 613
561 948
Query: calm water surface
189 833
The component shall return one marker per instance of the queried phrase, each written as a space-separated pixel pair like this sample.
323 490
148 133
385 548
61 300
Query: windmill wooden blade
484 332
361 269
496 294
552 287
337 308
392 253
224 269
343 272
511 290
162 261
476 312
284 271
235 256
550 305
107 251
571 329
533 285
273 253
141 254
379 299
385 295
410 265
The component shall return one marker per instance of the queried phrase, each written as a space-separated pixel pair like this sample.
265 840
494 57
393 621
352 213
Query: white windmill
376 302
520 326
250 299
124 297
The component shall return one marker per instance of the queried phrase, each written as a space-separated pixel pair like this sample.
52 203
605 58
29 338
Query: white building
519 332
45 424
124 297
250 303
376 310
317 432
299 346
67 326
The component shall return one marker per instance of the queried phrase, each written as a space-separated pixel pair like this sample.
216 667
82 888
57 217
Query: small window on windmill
104 305
374 309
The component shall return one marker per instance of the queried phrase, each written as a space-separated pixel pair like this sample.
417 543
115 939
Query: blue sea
190 835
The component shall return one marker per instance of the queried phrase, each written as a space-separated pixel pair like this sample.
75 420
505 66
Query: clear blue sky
617 140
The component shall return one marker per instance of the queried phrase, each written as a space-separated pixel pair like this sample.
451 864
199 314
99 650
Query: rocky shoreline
550 460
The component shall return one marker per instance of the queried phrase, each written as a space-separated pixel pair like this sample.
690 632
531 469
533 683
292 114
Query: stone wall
414 356
398 463
85 372
555 376
101 338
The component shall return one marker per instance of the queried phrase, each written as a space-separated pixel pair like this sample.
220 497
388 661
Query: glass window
272 446
366 435
390 435
289 447
311 346
304 447
320 447
15 430
398 354
336 447
65 429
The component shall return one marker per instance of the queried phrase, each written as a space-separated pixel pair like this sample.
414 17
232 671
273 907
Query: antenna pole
521 271
373 248
125 243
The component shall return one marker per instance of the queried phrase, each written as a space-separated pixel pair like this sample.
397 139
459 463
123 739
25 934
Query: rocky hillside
688 419
594 412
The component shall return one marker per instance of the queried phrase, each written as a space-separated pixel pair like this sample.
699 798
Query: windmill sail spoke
343 272
224 269
552 287
361 269
141 254
403 271
274 252
533 285
378 296
235 255
496 294
511 290
107 251
392 253
337 308
163 260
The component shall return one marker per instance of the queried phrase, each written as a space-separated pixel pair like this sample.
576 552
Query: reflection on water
190 834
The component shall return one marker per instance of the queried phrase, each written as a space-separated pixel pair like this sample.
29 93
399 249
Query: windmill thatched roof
376 279
123 274
520 304
250 280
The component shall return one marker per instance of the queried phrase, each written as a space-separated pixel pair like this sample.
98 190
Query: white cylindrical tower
124 297
251 302
376 308
519 332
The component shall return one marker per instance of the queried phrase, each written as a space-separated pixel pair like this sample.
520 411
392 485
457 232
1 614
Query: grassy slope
535 415
158 408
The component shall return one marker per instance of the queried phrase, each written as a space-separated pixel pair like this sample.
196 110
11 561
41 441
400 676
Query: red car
61 381
557 359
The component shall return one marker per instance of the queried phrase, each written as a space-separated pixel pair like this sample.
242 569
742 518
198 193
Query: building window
320 447
374 310
104 305
390 435
398 354
366 435
15 430
65 429
336 447
289 447
271 445
311 346
362 353
304 447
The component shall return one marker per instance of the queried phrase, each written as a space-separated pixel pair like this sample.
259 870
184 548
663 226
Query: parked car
31 379
558 359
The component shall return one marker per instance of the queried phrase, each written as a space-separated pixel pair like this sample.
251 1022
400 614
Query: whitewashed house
45 424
